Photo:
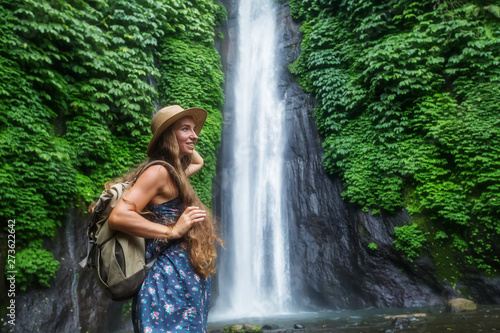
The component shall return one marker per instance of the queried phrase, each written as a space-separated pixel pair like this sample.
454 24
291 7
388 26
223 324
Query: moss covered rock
461 304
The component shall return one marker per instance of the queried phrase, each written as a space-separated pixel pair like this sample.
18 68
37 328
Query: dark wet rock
298 326
74 301
270 327
401 323
481 289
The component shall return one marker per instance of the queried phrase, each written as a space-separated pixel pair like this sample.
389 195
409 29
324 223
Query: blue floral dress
173 298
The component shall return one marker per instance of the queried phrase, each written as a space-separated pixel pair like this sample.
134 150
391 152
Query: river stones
244 328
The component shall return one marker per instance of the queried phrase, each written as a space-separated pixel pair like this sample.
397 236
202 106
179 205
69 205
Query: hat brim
199 116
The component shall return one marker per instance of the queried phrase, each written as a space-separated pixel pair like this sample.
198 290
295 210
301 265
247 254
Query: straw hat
170 114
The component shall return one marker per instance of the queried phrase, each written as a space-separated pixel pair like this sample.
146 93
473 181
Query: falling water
254 268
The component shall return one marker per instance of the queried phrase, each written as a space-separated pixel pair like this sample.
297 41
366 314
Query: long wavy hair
202 238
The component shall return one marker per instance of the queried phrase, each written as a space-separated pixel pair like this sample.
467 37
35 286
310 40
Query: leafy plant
77 90
408 101
35 267
410 240
201 88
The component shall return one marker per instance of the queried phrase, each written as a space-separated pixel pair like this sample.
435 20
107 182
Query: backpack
118 259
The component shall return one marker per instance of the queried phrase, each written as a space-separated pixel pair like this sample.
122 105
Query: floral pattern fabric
173 298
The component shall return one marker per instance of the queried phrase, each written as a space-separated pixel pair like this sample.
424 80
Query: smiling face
185 134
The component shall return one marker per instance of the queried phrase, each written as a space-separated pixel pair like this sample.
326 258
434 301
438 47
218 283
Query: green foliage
408 105
191 76
35 267
372 246
410 240
76 99
126 309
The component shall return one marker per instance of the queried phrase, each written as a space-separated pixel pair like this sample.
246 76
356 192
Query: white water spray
254 278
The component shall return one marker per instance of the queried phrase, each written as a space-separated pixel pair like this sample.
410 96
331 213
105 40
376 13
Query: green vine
191 75
408 107
76 99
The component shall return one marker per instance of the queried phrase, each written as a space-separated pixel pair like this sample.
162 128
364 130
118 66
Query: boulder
270 327
461 304
251 328
401 323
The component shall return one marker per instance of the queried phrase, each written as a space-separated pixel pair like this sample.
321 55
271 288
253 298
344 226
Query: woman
174 296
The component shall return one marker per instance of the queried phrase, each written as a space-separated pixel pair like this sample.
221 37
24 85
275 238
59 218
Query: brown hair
201 239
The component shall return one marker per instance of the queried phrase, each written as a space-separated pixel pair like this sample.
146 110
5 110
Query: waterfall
70 235
254 278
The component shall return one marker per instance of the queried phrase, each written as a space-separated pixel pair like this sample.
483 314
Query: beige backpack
118 259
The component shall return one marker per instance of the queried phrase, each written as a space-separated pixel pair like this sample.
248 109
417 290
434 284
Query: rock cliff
332 264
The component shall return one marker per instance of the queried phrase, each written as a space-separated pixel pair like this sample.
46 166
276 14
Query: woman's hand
188 219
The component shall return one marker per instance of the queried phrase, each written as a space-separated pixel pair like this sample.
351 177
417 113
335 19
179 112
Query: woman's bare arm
196 164
153 185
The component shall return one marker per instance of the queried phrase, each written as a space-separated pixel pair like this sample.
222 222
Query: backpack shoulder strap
101 205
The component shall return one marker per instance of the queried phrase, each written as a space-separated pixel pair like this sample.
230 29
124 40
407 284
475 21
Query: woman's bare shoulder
155 174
